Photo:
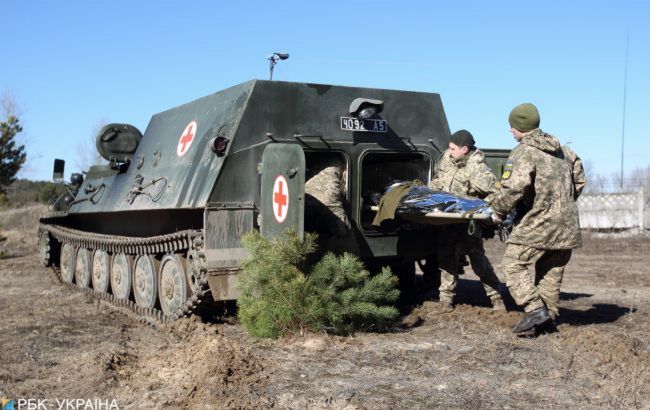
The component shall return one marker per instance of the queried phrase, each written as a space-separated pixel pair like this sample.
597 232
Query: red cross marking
280 199
187 138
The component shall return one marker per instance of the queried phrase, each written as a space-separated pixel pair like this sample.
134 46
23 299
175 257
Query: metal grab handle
471 228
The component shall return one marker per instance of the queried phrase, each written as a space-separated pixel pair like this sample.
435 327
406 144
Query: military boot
443 306
532 319
551 325
413 320
416 317
497 304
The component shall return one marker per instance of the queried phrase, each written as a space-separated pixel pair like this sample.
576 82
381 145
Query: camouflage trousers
325 211
449 256
532 290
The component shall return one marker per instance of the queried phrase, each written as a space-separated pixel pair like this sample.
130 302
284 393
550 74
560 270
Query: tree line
597 183
12 154
24 191
13 191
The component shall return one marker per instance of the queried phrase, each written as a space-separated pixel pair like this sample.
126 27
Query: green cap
524 117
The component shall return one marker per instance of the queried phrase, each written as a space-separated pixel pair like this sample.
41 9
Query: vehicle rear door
283 190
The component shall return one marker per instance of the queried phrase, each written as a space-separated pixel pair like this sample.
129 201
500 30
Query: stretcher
439 217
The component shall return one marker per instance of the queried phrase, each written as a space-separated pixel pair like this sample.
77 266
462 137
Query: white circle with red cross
280 199
187 136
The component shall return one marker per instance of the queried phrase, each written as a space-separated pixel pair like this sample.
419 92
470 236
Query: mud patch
190 366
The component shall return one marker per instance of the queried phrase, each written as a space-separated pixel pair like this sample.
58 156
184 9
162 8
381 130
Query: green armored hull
159 227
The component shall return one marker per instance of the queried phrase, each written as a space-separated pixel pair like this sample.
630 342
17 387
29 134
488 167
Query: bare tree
596 183
602 183
617 182
86 150
640 177
12 152
592 185
9 105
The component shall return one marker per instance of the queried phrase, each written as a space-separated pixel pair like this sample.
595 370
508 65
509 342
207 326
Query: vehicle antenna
273 58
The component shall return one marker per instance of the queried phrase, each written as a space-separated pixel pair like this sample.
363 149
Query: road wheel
100 271
82 268
145 281
44 250
173 285
121 276
67 262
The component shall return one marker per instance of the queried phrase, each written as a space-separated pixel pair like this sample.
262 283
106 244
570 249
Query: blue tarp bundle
422 200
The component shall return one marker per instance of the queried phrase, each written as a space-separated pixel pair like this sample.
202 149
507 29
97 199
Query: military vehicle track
176 263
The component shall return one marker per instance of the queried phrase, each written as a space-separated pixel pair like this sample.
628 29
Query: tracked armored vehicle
158 227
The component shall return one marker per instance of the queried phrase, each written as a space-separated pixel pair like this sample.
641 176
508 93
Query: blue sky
73 64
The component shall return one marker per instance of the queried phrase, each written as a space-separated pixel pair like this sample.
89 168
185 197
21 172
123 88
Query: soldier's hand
510 219
496 218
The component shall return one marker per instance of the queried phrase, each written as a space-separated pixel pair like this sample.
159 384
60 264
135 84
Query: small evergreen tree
271 303
343 297
281 293
12 155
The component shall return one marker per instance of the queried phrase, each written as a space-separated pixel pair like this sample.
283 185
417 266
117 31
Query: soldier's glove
495 218
510 219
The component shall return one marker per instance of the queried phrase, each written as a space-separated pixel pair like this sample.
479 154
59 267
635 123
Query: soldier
461 170
541 181
325 210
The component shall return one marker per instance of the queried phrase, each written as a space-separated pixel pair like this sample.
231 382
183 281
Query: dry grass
61 344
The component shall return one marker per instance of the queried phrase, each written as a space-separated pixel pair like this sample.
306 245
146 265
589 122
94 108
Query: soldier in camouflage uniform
325 211
461 170
541 181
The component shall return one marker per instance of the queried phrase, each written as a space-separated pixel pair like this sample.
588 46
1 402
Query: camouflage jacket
542 180
469 176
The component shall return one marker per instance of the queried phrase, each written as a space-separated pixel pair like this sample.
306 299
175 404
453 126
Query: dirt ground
58 345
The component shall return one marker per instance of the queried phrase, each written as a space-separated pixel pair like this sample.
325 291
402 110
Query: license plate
367 125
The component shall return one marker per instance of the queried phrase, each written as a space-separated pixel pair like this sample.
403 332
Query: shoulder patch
507 171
